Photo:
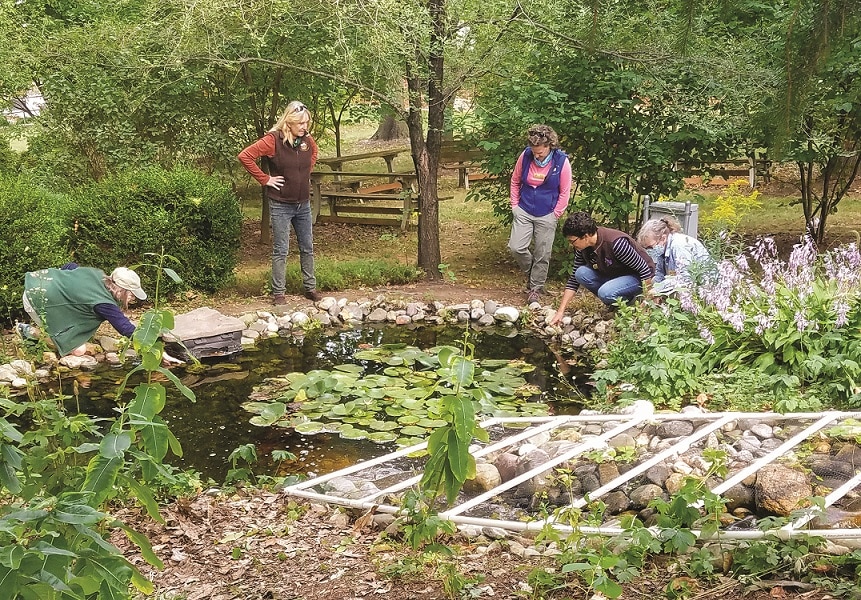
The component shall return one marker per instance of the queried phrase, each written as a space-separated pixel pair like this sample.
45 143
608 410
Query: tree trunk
390 128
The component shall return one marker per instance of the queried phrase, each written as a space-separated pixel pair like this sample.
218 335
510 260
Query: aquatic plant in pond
797 322
402 402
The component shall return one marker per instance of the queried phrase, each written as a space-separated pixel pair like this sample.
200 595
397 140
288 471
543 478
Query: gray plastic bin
685 212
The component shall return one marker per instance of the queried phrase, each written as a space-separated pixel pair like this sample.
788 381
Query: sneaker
313 295
533 296
279 299
27 331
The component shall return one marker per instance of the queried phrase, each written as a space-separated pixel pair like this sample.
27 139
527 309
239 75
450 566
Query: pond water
216 424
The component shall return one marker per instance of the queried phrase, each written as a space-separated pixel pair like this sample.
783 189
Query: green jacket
65 300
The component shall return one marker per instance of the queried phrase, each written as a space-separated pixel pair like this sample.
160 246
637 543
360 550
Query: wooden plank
364 174
362 156
383 187
359 220
358 196
366 209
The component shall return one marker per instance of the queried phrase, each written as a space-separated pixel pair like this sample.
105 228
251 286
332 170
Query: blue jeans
282 216
608 290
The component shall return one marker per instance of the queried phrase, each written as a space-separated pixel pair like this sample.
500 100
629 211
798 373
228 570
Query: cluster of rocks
778 488
18 374
580 331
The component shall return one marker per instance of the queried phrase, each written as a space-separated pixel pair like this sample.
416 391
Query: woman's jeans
282 215
525 230
608 290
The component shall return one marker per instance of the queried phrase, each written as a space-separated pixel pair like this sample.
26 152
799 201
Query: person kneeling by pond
70 303
607 262
677 256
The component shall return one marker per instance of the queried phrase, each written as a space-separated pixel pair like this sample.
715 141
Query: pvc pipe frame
629 421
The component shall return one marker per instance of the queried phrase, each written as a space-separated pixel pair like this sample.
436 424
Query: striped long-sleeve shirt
623 251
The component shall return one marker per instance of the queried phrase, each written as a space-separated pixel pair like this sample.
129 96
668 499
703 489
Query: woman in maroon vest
607 262
292 154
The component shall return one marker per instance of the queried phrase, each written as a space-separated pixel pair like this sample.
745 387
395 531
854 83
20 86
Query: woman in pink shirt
540 190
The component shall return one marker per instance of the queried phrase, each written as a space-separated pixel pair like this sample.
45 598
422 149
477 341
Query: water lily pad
353 433
382 437
383 425
310 428
414 431
408 420
403 442
350 368
431 423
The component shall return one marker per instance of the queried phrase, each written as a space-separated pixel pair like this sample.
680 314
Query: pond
216 424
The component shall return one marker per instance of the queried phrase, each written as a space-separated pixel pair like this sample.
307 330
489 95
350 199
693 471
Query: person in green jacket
70 303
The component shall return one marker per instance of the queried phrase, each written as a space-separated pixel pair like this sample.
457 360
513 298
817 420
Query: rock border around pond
579 332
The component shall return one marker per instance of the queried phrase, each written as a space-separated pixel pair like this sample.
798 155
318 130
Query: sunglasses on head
537 134
300 108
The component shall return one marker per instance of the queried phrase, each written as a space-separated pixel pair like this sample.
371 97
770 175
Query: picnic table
467 162
336 163
353 195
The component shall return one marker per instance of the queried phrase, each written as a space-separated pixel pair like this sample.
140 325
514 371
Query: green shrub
194 217
33 230
791 326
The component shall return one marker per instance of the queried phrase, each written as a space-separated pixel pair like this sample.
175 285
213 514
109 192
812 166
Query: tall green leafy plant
55 520
624 129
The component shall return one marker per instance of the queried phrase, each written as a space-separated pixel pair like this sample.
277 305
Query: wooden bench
457 157
752 169
369 197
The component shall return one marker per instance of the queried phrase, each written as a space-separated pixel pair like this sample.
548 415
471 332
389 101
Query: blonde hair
656 229
122 295
296 112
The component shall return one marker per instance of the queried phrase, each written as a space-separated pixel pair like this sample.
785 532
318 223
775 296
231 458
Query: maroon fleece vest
294 165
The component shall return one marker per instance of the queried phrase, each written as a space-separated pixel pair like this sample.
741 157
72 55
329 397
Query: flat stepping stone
205 332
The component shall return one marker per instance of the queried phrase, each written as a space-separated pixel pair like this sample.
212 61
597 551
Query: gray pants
539 233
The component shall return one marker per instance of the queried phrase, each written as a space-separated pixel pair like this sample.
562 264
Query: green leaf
463 417
309 428
144 496
114 445
382 437
101 474
8 584
174 277
175 380
463 371
10 556
142 542
412 430
446 354
149 400
81 514
458 457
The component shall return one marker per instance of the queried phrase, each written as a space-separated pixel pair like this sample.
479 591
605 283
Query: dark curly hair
579 224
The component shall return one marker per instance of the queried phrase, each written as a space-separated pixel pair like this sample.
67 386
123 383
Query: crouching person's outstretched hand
170 361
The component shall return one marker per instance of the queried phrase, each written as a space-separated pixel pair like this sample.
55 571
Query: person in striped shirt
607 262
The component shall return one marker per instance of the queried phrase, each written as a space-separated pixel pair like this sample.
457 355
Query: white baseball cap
128 280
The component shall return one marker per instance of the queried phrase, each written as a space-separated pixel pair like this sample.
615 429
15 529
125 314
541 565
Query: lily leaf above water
398 394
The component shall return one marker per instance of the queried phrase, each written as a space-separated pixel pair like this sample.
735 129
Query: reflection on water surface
216 424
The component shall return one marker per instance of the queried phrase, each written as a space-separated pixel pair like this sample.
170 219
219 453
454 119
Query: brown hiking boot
279 299
313 295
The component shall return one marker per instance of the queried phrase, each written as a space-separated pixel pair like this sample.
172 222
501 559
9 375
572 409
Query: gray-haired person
674 253
539 194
